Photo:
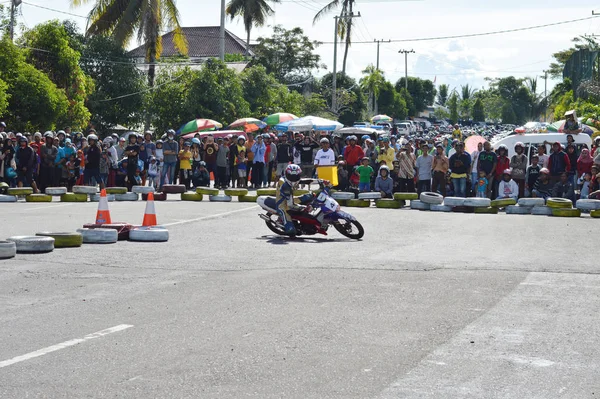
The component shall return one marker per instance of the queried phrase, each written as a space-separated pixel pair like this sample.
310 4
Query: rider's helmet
292 174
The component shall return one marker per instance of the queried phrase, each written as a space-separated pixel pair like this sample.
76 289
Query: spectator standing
284 155
222 152
532 174
272 161
306 148
249 154
573 157
180 144
502 164
185 164
543 157
26 160
460 167
147 150
584 162
92 154
120 148
482 185
558 162
170 152
474 172
233 160
440 169
518 166
353 154
424 166
258 164
132 153
386 153
364 172
487 163
48 158
406 169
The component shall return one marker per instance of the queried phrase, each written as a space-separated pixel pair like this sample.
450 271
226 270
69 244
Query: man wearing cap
460 167
424 167
386 153
120 148
170 153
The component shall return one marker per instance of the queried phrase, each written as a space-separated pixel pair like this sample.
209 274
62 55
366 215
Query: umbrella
520 130
216 135
199 125
279 117
381 118
472 142
313 123
248 124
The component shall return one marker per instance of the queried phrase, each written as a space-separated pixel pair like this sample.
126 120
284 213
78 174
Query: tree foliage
453 107
443 94
422 92
478 111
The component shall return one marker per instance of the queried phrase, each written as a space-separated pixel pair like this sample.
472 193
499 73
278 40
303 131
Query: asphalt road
427 305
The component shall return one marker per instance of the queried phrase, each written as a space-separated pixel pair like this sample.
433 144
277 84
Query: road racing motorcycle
313 218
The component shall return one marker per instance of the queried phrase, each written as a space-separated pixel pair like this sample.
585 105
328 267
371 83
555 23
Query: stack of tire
562 207
343 197
169 189
528 206
589 205
403 197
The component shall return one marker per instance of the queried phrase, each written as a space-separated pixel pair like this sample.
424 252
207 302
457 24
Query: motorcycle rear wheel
272 225
350 228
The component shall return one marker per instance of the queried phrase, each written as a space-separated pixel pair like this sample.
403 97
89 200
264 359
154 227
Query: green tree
119 97
478 112
423 92
391 103
49 50
508 114
167 103
4 97
443 94
350 101
453 107
492 105
253 13
35 103
560 58
372 83
288 54
516 94
121 19
344 27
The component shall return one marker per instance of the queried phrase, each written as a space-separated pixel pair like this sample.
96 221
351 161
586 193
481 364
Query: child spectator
201 176
507 187
185 165
153 174
72 169
364 171
242 169
531 175
383 183
585 185
395 175
343 182
137 181
122 173
482 185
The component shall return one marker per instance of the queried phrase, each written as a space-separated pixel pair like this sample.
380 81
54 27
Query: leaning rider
285 196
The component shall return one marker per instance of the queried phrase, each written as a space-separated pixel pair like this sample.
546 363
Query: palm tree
344 24
443 94
149 18
372 84
253 12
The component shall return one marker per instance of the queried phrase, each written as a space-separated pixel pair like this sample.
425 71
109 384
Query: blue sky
452 61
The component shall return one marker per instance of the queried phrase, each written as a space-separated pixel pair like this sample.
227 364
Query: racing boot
290 229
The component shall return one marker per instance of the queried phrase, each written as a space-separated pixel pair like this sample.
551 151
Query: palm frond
171 18
326 10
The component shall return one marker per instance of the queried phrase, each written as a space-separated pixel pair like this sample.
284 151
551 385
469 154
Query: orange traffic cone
150 213
103 214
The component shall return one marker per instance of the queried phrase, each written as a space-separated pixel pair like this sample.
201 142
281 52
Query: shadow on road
279 240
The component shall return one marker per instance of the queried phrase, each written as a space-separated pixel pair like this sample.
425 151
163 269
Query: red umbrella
472 142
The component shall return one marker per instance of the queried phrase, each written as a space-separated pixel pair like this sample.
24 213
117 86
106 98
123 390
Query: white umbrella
313 123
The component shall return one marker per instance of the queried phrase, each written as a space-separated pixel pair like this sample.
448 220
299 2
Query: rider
285 196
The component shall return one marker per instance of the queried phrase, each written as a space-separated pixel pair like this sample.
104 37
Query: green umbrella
199 125
278 118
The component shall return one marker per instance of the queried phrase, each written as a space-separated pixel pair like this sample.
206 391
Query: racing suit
285 202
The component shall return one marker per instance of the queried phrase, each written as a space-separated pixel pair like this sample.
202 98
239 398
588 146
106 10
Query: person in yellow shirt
457 134
386 153
185 165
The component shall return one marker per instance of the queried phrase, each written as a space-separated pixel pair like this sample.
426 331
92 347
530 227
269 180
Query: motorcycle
315 218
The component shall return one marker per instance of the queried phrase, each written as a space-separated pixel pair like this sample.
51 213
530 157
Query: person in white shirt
325 156
508 188
474 174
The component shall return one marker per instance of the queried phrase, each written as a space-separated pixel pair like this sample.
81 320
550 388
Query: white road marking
48 207
218 215
63 345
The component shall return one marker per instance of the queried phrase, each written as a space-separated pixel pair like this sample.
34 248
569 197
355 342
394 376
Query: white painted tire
126 197
518 210
453 201
149 234
99 236
96 197
8 249
33 244
531 202
142 189
478 202
369 196
85 190
440 208
587 204
8 198
342 195
431 198
422 206
541 211
219 198
56 191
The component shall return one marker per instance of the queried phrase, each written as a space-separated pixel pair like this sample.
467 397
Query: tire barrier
531 202
191 197
342 195
236 192
389 203
157 197
503 203
142 189
56 191
431 198
8 198
518 210
121 228
560 203
85 190
8 249
266 191
247 198
406 196
478 202
149 234
422 206
207 191
454 201
99 236
72 197
369 196
20 191
116 190
96 197
32 244
38 198
63 240
174 189
541 211
440 208
566 212
358 203
127 197
463 209
595 214
219 198
489 210
588 204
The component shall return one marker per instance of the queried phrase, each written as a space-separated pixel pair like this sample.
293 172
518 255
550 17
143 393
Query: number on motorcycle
322 197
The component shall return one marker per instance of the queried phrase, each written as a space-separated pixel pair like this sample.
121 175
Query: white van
533 140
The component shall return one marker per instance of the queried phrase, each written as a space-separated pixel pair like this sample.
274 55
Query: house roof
203 42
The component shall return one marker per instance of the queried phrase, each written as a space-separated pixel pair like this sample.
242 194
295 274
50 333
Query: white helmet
92 137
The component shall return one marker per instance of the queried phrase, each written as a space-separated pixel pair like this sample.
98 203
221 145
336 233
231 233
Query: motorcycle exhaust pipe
264 217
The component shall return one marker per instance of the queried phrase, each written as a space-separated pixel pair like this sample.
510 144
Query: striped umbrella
381 118
248 124
199 125
279 117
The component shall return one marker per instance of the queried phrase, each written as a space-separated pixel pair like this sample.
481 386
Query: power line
142 91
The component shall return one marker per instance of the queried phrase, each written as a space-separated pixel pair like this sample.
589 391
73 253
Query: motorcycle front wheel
350 228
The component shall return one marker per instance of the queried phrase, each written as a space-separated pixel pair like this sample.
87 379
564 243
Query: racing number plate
322 197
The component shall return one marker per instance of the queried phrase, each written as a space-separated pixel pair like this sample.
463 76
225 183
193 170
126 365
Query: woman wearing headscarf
584 162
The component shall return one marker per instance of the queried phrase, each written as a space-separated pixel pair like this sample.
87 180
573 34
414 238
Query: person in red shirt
352 154
502 164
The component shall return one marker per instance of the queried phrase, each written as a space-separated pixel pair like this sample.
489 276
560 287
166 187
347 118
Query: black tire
271 224
345 229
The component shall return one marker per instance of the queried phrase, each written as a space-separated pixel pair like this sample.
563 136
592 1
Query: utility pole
222 33
13 10
545 95
406 53
334 77
379 42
